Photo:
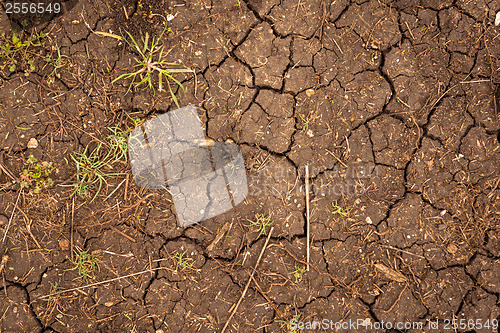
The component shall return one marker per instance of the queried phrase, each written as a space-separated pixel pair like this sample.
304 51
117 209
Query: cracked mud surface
391 104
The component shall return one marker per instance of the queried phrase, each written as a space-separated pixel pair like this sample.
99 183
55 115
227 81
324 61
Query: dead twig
307 218
409 30
4 168
12 215
219 236
126 189
125 11
441 97
102 282
331 153
116 189
72 226
403 251
248 283
267 298
28 228
339 282
124 234
137 203
397 300
474 81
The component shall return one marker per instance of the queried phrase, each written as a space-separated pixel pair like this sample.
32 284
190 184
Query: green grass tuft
261 222
91 169
184 263
151 61
85 263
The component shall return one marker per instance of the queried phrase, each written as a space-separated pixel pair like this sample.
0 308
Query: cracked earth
392 105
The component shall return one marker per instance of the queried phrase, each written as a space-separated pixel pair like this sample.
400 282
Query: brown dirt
393 105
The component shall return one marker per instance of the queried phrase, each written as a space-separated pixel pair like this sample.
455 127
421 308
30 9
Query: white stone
33 143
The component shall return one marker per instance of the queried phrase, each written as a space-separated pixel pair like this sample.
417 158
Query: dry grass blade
248 283
106 34
308 245
12 215
99 283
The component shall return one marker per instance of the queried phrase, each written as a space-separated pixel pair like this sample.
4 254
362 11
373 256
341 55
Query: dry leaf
390 273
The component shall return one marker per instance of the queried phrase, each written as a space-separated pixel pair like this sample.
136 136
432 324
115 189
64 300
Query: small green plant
337 210
233 167
85 263
118 142
52 300
297 273
94 167
184 263
56 62
261 222
305 122
287 324
151 60
19 53
91 170
118 139
36 175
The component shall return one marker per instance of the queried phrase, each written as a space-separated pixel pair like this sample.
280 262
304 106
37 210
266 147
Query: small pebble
33 143
452 248
497 19
64 244
3 219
